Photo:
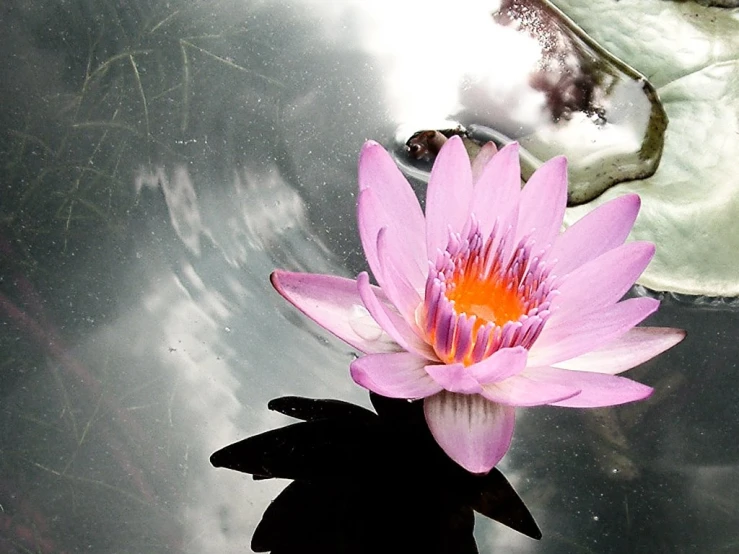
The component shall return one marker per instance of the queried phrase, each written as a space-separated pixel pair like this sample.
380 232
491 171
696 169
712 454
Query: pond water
159 160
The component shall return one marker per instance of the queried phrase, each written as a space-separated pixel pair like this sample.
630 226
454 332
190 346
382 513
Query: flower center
488 299
480 297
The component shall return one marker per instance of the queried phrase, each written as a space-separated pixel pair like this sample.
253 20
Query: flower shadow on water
366 482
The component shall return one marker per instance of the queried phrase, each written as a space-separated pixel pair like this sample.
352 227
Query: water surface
159 160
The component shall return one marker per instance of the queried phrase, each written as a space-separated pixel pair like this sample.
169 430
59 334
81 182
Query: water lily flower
482 305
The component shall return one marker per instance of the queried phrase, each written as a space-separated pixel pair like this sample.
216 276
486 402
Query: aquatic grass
141 91
232 65
116 116
185 88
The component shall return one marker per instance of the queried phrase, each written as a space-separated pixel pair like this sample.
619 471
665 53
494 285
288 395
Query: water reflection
137 323
367 483
139 404
520 68
209 320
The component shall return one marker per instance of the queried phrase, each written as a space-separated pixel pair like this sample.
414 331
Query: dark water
158 160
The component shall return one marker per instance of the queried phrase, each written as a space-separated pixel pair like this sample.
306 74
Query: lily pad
690 205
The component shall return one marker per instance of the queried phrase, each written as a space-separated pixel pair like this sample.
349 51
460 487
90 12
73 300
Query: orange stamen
490 300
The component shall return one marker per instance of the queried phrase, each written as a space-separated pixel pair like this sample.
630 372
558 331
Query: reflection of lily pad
556 92
691 205
606 116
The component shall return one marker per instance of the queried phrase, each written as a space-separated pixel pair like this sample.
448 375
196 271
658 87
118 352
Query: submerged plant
482 304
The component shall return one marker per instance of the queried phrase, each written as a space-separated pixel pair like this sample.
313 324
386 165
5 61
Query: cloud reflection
442 60
209 326
182 202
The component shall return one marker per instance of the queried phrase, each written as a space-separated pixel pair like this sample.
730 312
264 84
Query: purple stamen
464 337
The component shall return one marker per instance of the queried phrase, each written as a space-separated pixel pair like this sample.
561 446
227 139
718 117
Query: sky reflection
199 329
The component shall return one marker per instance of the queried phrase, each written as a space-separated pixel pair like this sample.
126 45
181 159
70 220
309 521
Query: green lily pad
691 204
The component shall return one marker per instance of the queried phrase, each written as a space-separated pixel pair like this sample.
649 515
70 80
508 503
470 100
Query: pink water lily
482 304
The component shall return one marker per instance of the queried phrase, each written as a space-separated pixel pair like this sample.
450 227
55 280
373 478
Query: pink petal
399 375
448 195
392 323
394 205
394 282
333 303
485 154
473 432
454 378
408 244
604 228
543 203
497 191
378 171
523 390
500 365
602 281
559 342
629 350
596 389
